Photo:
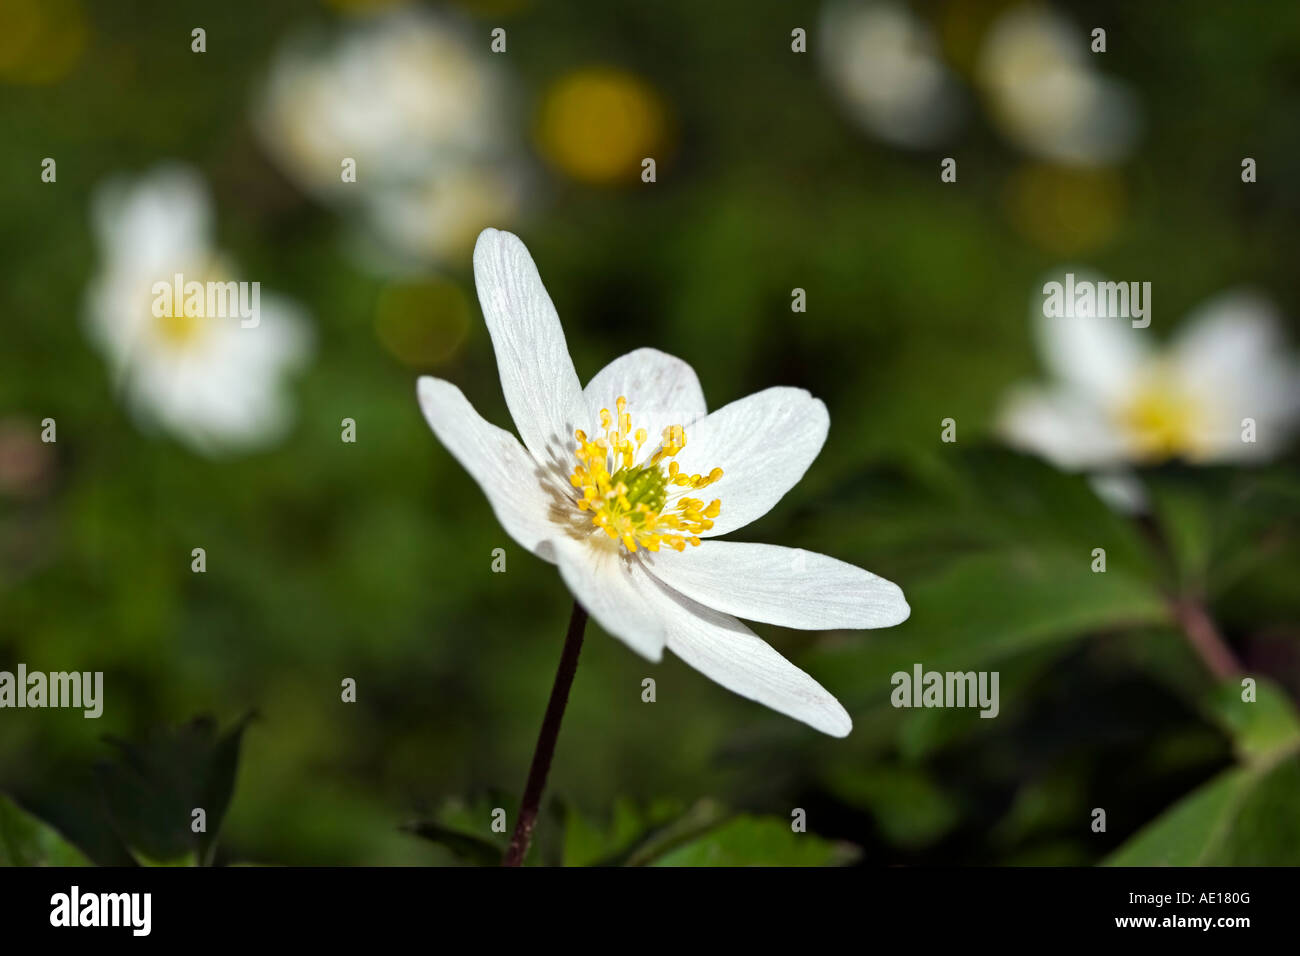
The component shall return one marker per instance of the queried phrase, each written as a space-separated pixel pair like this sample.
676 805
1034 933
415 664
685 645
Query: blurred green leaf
25 840
637 834
1222 524
1001 554
759 841
987 607
152 789
1258 728
908 806
467 846
464 827
1244 817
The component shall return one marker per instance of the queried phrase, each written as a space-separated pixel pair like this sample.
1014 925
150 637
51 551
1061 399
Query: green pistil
645 486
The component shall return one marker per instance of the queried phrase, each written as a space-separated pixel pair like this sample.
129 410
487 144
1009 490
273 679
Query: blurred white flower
1118 401
207 379
1045 95
884 65
421 111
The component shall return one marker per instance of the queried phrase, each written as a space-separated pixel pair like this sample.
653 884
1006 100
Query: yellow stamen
636 504
1162 421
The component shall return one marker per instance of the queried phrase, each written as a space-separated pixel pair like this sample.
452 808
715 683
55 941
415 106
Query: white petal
1098 355
763 443
884 63
660 389
1121 490
1231 353
725 651
523 502
786 586
1065 427
156 224
537 376
614 588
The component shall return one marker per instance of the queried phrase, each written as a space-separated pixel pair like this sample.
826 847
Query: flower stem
1205 639
550 732
1190 612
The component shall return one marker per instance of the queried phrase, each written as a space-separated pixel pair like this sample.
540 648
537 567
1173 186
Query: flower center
1162 420
177 329
642 502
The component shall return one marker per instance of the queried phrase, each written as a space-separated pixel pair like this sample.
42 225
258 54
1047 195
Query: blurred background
781 163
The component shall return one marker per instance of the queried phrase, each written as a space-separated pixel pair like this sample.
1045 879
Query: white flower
420 110
605 486
1045 95
209 380
1119 401
884 64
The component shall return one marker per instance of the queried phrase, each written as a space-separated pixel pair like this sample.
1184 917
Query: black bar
433 906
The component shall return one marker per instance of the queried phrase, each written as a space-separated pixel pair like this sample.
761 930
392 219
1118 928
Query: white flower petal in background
1232 348
1118 398
1045 95
884 66
1097 354
421 109
148 231
1122 490
210 381
1068 427
625 528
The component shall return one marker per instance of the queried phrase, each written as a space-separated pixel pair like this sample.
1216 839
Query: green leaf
152 789
464 827
1243 817
995 554
663 827
465 846
989 607
910 809
1258 728
925 731
759 841
637 834
26 840
1223 524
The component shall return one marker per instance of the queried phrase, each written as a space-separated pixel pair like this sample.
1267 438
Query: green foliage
1247 815
27 841
152 789
757 841
372 560
1244 817
661 833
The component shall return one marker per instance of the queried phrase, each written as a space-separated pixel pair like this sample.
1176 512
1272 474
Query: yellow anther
639 504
